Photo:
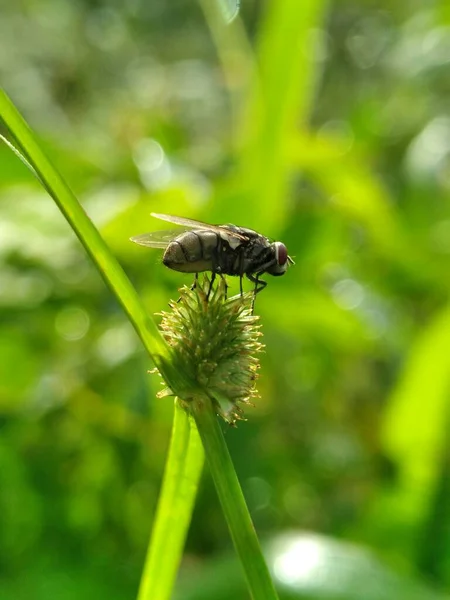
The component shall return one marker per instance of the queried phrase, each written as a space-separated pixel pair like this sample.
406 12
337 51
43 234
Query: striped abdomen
192 251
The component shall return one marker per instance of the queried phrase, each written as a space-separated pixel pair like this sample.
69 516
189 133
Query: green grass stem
91 239
233 502
182 474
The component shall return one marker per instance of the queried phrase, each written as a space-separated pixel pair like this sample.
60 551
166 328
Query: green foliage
340 149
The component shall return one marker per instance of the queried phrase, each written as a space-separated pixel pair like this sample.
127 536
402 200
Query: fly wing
156 239
192 224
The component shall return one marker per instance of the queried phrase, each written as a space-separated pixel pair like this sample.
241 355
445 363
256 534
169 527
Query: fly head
281 260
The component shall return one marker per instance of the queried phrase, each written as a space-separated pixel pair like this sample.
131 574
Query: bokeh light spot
72 323
348 294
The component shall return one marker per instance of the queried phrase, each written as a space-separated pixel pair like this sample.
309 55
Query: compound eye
281 253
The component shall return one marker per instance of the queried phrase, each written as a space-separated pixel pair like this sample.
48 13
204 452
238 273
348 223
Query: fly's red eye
282 254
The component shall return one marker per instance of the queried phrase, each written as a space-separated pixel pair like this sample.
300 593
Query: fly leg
225 284
194 285
241 273
259 285
213 277
215 268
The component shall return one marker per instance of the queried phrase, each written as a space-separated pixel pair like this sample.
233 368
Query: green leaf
415 422
281 101
182 473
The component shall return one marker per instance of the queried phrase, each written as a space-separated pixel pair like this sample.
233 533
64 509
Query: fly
221 249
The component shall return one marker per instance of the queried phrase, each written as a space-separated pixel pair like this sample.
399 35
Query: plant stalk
89 236
175 505
233 502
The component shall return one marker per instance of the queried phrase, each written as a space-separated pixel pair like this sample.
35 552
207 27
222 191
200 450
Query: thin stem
233 501
182 473
78 220
92 241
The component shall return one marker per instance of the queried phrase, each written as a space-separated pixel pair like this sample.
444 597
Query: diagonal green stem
81 224
183 469
92 241
233 501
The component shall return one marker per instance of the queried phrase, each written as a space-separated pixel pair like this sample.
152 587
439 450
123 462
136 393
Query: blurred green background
324 125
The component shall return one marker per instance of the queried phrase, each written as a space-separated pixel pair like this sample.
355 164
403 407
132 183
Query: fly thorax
234 243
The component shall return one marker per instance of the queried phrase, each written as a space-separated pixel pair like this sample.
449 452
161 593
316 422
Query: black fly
221 249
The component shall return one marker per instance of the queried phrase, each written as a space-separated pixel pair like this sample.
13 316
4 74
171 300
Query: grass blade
182 473
106 263
233 502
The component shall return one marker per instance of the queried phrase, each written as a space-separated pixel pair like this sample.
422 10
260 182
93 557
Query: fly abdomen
191 252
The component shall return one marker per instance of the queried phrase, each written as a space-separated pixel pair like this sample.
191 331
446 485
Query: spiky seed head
215 341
